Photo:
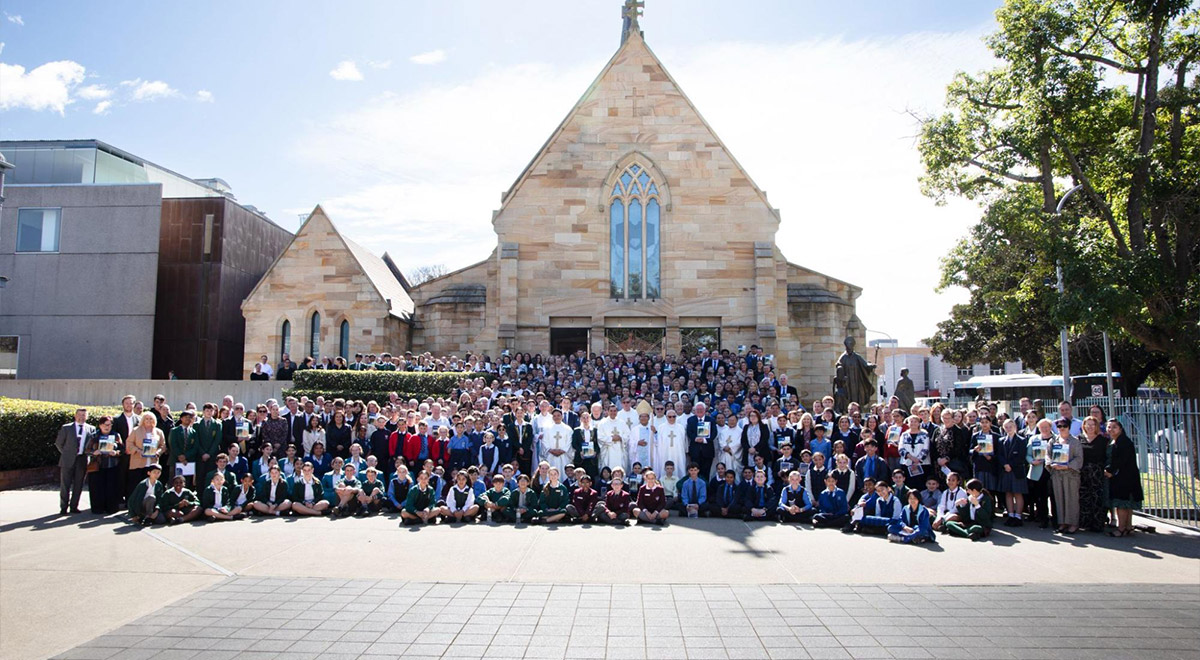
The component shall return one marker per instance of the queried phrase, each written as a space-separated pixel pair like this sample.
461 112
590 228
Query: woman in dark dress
104 450
1125 479
337 436
1093 485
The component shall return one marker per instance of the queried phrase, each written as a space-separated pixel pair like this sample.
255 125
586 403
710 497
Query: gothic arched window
633 215
314 336
285 337
344 340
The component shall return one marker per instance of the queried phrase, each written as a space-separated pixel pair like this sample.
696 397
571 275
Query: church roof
631 41
384 277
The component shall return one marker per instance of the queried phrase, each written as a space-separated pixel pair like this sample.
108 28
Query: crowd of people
612 439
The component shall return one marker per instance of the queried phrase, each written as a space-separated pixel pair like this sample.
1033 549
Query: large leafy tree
1100 94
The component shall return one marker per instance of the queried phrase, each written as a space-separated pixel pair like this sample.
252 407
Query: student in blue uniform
871 466
882 512
832 508
818 443
814 480
795 505
784 465
914 524
759 500
460 448
397 491
693 494
488 454
725 500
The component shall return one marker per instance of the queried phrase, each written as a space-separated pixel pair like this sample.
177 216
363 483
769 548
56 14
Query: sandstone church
633 228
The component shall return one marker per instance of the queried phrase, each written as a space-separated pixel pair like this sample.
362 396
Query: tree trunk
1187 376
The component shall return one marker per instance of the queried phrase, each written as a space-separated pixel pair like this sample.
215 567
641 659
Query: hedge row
368 385
28 429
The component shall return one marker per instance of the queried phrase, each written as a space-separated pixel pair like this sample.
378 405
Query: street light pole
1062 335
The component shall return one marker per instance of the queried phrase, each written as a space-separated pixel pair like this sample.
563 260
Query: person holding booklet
104 468
1066 459
983 453
1037 478
144 446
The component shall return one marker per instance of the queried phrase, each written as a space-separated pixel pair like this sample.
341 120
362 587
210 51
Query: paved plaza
325 588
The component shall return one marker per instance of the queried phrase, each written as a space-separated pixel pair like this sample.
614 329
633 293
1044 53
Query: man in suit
208 440
71 442
229 427
701 431
123 425
570 417
358 364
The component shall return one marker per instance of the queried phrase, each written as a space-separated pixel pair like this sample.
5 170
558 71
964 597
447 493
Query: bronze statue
853 379
905 392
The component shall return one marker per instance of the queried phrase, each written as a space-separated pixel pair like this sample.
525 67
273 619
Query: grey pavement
260 618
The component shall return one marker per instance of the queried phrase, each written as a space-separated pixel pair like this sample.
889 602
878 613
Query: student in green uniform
555 499
523 503
222 466
308 494
208 442
493 500
274 497
420 505
215 500
347 490
370 498
975 514
144 503
244 495
179 504
181 445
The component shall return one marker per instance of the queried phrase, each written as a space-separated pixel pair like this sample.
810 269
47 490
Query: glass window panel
625 179
74 166
637 189
644 179
344 340
314 347
652 249
635 169
37 230
653 189
8 357
694 339
285 342
634 258
616 190
634 340
616 230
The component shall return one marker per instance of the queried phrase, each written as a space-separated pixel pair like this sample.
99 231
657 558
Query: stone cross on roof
629 18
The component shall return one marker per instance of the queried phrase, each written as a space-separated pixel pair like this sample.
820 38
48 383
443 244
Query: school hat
154 466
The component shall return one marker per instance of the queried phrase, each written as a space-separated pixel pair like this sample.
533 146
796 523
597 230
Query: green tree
1101 94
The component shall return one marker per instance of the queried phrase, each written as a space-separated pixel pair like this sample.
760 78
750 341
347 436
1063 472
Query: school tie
728 494
695 499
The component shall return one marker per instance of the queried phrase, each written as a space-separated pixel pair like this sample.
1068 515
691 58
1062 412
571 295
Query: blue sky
436 106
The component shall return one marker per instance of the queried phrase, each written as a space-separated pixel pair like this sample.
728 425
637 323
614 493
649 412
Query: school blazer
982 517
750 497
171 500
208 439
208 498
1011 453
139 494
532 502
282 492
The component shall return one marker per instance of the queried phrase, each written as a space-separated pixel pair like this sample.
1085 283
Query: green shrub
28 429
368 385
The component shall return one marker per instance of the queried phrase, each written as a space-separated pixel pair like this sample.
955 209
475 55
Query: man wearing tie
701 432
72 439
358 365
123 425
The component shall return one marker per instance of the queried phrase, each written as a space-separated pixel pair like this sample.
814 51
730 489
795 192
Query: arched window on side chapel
634 220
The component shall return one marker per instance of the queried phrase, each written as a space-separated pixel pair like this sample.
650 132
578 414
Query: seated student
746 481
179 504
900 488
693 494
435 480
460 500
321 461
847 480
370 498
832 508
347 491
287 462
261 466
726 499
215 500
651 505
783 466
634 478
554 499
761 465
947 508
231 481
932 495
145 502
617 505
274 497
795 505
540 477
860 508
814 481
583 501
522 503
397 463
975 513
237 463
330 481
913 526
806 463
421 507
308 493
397 491
356 459
760 499
818 444
243 496
492 501
669 483
510 476
881 512
718 478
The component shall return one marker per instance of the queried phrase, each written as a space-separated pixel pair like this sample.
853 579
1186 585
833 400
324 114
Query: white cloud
820 124
48 87
1 47
431 57
93 92
14 18
379 64
204 96
102 108
346 70
149 90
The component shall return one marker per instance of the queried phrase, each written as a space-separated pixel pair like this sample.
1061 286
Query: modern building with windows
633 228
119 268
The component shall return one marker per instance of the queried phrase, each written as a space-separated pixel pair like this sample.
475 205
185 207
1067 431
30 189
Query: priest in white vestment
556 443
613 437
670 444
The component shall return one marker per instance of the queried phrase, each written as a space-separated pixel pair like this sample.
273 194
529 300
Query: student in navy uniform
984 462
460 448
832 508
795 505
871 466
693 493
321 461
814 480
900 488
759 500
397 491
846 478
880 513
914 525
1010 455
784 465
725 500
488 454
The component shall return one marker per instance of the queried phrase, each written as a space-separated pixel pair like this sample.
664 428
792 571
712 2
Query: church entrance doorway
565 341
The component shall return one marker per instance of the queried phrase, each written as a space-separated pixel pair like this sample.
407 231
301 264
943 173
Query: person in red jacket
417 448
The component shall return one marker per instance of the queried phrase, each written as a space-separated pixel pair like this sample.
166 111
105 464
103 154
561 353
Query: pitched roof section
383 279
633 42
